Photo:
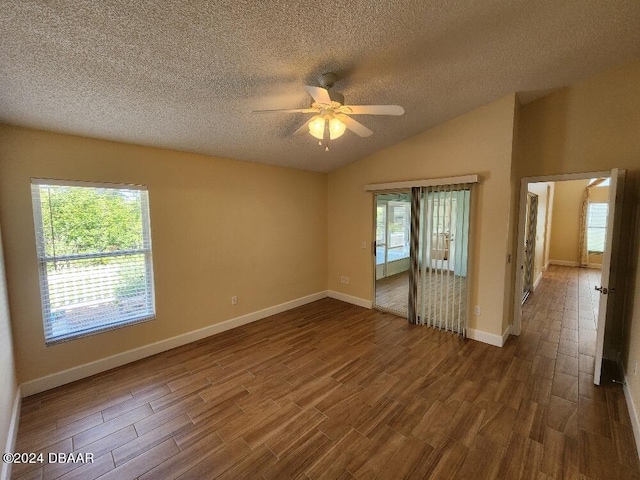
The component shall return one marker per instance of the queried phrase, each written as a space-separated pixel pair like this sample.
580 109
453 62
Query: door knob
603 290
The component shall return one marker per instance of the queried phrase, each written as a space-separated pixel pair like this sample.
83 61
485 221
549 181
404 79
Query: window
393 226
596 226
399 219
94 252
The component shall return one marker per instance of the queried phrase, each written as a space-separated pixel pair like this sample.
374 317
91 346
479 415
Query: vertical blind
94 253
441 257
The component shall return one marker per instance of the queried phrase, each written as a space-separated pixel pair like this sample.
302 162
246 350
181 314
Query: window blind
94 254
597 226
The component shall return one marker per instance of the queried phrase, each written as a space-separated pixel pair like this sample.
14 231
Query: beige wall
479 142
567 203
8 383
219 228
566 209
588 127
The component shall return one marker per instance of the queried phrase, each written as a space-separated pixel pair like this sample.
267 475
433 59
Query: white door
609 265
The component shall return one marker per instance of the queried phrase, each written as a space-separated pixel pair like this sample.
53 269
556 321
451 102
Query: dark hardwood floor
331 390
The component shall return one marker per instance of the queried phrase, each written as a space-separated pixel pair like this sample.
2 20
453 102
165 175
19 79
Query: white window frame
44 259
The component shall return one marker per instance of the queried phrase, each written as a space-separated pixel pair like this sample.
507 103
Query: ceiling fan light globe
316 127
336 128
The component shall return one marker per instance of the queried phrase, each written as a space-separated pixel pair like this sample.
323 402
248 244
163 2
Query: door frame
516 326
398 191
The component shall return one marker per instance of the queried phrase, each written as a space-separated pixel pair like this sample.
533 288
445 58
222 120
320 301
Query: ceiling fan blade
303 129
319 94
355 126
373 109
287 110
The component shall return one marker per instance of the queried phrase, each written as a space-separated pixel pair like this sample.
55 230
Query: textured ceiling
185 75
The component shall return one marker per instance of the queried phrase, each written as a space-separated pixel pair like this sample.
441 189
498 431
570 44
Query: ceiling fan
331 117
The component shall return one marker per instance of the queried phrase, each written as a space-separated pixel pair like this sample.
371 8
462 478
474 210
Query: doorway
581 237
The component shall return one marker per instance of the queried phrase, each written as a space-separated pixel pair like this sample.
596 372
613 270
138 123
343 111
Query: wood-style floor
331 390
392 292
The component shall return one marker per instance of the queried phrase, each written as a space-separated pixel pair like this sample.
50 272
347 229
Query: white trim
361 302
80 183
566 176
564 263
537 282
82 371
374 187
633 412
505 334
490 338
569 263
12 434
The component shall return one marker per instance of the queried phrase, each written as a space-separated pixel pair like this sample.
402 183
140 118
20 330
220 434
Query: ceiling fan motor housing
327 80
336 97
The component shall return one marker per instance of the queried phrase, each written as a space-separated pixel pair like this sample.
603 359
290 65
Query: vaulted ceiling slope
185 75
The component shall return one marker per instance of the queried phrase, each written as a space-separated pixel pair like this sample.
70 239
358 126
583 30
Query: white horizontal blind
596 226
94 253
444 256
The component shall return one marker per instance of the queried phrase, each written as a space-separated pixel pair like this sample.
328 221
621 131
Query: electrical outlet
478 310
344 280
234 300
363 245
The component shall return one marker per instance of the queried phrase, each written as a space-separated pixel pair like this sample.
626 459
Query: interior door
530 244
609 266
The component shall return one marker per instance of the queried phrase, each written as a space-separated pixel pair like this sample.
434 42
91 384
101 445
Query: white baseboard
361 302
505 335
535 284
82 371
567 263
12 435
564 263
633 412
490 338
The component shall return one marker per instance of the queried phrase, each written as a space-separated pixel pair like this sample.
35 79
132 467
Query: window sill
97 330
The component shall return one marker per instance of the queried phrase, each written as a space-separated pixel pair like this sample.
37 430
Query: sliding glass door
393 231
422 255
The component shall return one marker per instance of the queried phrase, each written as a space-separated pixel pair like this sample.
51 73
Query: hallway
559 318
566 303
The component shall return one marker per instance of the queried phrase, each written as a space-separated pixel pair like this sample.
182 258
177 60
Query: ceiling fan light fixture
316 127
336 128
